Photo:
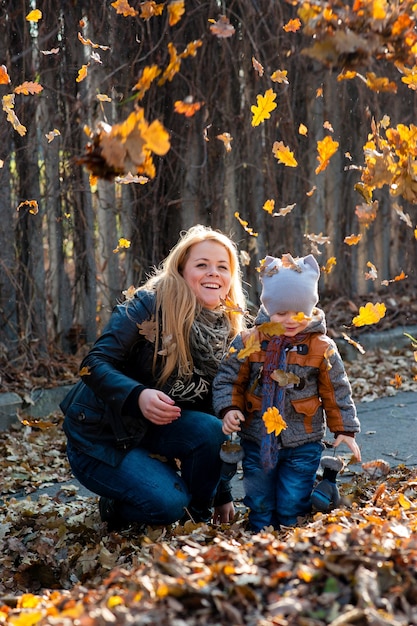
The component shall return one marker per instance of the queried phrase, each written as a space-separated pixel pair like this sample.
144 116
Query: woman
140 428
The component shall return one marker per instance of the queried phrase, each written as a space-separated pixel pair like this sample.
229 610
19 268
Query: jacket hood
316 325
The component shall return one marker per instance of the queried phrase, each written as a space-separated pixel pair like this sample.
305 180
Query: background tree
336 74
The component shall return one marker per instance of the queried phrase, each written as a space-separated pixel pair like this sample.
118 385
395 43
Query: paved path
389 432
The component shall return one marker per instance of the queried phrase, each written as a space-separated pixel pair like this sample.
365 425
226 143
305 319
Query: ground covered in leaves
354 566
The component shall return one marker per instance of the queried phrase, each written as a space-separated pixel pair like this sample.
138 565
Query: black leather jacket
102 417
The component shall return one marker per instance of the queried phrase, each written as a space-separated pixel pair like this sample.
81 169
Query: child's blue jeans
282 494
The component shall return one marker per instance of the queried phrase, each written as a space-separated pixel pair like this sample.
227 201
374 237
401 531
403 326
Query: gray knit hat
290 284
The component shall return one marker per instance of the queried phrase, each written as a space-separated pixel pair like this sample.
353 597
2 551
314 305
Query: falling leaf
380 84
102 97
82 73
328 126
354 343
373 273
244 257
251 345
369 314
366 214
149 9
228 305
222 28
300 317
88 42
173 66
34 16
284 378
302 129
326 148
176 10
272 329
51 51
283 154
274 422
243 223
352 240
4 77
187 107
123 8
311 192
265 105
148 330
400 276
330 263
319 239
269 206
227 139
122 244
292 26
129 178
27 88
284 210
32 204
280 76
149 73
85 371
258 67
52 134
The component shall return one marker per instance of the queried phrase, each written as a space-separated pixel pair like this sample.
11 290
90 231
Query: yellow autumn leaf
4 76
292 26
82 73
123 8
274 422
300 317
330 263
32 204
326 148
251 345
102 97
176 10
269 206
280 76
369 314
352 240
302 129
34 16
353 343
380 83
85 371
403 501
265 105
284 378
283 154
244 223
52 134
149 73
272 329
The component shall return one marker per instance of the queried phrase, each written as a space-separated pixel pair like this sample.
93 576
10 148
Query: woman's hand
224 513
157 407
231 421
351 443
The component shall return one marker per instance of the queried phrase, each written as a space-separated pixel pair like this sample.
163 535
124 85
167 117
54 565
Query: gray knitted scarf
209 341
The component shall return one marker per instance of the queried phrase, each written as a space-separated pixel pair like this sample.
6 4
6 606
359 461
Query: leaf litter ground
356 565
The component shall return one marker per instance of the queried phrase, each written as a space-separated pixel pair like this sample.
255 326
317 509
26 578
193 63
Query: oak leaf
149 73
88 42
284 210
34 16
82 73
280 76
150 8
245 225
272 329
380 84
269 206
251 345
330 263
283 154
222 28
187 107
354 343
284 378
228 305
292 26
326 148
274 422
176 10
265 105
123 8
258 67
369 314
352 240
28 87
148 330
4 76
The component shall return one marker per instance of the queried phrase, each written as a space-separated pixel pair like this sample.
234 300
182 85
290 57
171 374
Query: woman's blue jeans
282 494
147 485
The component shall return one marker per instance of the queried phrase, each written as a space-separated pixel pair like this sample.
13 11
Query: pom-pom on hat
290 284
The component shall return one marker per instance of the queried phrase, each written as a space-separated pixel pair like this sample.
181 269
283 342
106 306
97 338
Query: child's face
292 322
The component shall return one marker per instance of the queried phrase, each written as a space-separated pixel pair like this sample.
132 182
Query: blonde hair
177 305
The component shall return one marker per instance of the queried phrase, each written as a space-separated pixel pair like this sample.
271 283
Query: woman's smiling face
207 272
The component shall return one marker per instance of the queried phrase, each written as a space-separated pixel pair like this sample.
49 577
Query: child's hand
351 443
231 421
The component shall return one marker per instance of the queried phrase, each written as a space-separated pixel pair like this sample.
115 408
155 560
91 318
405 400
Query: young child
281 383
